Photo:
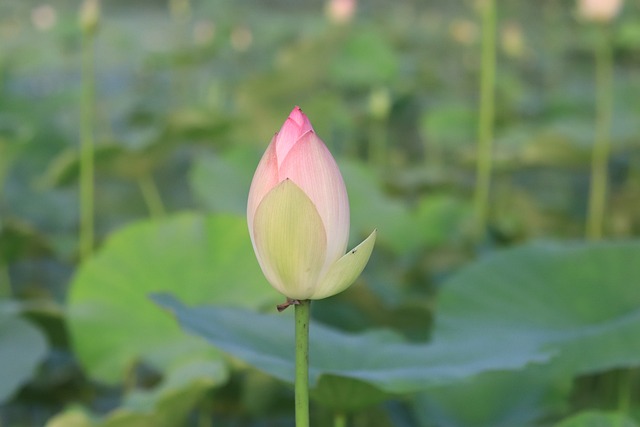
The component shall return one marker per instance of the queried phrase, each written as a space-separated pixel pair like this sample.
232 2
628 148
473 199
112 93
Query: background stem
180 15
151 195
5 281
602 142
87 101
340 420
302 363
486 117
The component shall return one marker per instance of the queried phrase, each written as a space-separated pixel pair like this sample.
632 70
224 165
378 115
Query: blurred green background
182 100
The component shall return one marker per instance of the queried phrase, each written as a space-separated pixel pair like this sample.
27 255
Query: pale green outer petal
290 240
345 270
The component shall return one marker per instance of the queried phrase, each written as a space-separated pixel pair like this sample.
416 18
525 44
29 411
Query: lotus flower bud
89 16
298 216
599 10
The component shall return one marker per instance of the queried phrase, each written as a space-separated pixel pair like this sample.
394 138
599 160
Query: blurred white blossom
341 11
599 10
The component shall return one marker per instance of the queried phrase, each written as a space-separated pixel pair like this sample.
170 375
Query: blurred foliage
189 93
569 334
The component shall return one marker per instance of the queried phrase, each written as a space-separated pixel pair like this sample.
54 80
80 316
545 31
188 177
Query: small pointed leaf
346 270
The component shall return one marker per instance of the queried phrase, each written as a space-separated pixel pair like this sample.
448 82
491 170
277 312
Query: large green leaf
496 399
22 348
573 304
597 419
167 406
380 357
201 259
580 302
343 394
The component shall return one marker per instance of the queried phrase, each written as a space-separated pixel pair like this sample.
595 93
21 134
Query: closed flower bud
298 216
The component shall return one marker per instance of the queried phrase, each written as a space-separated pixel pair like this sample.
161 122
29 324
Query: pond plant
489 149
298 216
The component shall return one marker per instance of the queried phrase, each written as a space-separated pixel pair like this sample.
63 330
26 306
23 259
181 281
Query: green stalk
625 386
151 195
302 363
5 282
600 171
180 11
378 143
486 116
602 142
340 420
87 101
379 109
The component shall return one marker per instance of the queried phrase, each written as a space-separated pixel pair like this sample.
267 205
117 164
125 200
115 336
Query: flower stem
86 146
602 143
180 15
486 116
302 363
